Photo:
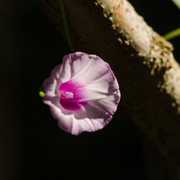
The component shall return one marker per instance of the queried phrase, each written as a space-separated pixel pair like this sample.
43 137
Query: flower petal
49 86
93 69
62 73
104 93
77 61
90 119
64 117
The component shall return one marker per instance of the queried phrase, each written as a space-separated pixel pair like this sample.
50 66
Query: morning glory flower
82 92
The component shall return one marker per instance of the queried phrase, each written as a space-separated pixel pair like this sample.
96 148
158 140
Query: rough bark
142 60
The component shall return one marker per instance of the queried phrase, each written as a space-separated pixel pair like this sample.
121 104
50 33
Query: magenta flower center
68 95
72 94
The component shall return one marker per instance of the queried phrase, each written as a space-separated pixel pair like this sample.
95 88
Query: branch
142 60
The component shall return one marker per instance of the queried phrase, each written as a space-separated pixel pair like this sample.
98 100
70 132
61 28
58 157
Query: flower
82 93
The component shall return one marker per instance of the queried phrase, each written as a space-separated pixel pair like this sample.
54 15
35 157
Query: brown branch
142 60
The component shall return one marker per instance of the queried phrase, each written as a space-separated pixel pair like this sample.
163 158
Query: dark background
32 146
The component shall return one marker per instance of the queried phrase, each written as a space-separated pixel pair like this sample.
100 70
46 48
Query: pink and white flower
82 92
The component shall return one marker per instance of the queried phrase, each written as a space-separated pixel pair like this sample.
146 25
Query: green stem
41 94
172 34
66 25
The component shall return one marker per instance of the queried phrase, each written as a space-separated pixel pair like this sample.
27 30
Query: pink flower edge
82 92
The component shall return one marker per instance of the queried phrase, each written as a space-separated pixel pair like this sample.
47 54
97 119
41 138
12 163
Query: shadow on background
31 144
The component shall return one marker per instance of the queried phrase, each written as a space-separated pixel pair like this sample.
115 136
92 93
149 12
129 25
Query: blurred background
32 146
